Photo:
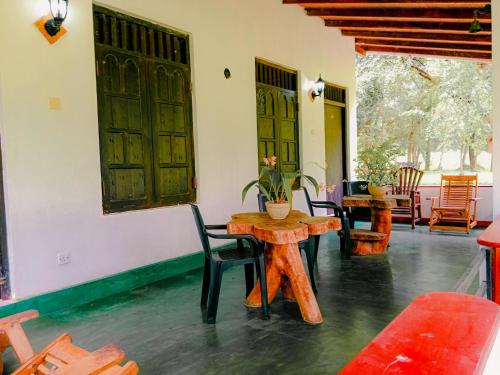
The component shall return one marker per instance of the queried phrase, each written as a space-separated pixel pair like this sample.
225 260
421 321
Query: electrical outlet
63 258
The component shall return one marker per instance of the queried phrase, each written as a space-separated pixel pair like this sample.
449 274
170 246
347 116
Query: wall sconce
475 26
51 25
59 10
318 88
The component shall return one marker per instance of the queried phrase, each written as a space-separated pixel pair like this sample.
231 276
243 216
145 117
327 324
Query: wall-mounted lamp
318 88
475 26
50 25
59 11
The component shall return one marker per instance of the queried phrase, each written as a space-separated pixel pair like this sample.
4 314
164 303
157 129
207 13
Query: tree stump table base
374 241
284 268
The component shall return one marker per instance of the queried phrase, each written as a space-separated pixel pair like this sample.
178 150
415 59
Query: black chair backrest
355 187
308 201
202 232
261 199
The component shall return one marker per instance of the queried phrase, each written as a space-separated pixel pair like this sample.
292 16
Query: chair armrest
248 237
332 205
216 227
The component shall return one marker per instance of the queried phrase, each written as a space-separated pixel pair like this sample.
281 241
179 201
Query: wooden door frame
4 256
345 122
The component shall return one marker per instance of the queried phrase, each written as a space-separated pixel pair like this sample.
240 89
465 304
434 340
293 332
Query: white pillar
496 111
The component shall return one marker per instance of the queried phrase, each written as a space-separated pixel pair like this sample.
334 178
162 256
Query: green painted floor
160 326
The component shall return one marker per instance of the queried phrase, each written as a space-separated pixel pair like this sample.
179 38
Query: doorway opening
335 139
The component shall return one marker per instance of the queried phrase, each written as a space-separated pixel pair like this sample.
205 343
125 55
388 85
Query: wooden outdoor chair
409 181
456 204
12 334
62 357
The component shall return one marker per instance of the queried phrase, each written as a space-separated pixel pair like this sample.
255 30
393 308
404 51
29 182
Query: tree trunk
409 154
472 158
427 159
463 152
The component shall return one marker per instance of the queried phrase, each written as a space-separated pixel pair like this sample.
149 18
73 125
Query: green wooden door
277 126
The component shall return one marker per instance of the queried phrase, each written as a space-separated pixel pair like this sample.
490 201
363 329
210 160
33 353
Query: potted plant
277 188
378 165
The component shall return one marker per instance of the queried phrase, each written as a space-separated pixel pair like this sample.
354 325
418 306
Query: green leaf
246 188
287 186
264 191
313 182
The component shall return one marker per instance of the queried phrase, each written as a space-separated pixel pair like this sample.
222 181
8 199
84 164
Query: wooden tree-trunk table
381 215
284 268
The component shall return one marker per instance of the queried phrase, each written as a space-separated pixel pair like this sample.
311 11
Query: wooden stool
62 357
367 242
12 334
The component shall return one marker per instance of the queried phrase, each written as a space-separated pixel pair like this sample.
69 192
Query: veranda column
496 110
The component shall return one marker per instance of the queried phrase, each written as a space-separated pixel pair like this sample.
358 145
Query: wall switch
54 103
63 258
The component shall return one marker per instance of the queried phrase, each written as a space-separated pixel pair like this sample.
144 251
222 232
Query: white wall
496 110
51 157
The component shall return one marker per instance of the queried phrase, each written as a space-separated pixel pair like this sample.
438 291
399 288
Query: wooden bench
62 357
12 334
364 240
438 333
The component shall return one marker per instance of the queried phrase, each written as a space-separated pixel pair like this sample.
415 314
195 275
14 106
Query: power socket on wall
63 258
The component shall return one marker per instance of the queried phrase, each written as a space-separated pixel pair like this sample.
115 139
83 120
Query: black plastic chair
217 261
307 245
357 213
345 243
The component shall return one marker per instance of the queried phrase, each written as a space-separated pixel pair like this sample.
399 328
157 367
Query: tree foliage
425 105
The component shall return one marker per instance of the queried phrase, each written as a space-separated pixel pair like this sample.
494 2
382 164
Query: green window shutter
145 113
277 120
172 133
124 135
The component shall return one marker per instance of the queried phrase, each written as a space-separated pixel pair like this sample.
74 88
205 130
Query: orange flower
266 161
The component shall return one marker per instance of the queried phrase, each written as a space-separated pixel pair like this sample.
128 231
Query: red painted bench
438 333
491 238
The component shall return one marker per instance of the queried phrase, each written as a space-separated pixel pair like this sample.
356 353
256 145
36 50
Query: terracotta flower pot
377 191
278 211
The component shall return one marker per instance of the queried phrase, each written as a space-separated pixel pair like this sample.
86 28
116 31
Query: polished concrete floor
160 326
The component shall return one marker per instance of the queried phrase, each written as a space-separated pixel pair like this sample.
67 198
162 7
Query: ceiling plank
360 4
387 14
429 27
427 52
424 45
446 38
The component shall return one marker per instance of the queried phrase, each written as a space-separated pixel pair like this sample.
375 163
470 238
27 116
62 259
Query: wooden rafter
419 45
421 27
390 14
468 38
427 52
360 4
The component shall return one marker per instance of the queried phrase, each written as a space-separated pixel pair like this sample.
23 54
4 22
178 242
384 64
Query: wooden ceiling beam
360 4
424 37
425 45
392 26
418 14
427 52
